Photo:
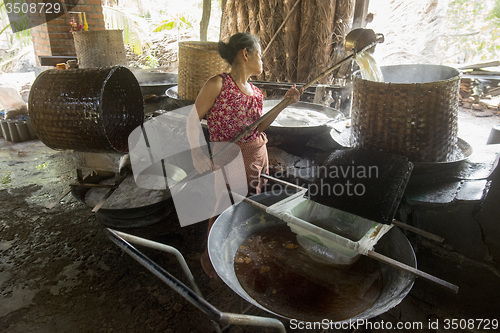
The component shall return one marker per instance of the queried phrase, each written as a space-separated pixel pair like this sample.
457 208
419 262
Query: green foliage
473 34
495 14
180 22
7 179
42 166
22 37
151 61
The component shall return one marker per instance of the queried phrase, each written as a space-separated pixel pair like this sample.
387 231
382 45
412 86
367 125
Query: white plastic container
328 233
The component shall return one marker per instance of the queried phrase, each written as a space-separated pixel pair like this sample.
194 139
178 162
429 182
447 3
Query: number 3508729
484 324
33 8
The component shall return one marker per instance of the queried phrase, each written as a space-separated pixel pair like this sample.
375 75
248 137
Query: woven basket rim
112 70
357 76
197 44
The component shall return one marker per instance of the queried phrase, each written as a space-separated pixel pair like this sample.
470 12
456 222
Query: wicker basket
413 113
90 110
198 61
100 48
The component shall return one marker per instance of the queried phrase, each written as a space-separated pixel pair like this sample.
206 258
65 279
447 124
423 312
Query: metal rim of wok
156 82
434 74
235 224
465 153
173 92
293 133
343 139
335 115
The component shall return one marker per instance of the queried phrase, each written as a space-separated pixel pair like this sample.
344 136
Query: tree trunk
223 18
205 19
315 41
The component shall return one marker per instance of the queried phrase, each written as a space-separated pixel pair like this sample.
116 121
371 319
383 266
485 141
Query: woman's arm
294 95
204 101
206 97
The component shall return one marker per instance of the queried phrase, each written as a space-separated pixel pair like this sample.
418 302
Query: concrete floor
59 272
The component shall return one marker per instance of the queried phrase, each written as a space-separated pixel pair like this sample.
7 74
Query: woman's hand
201 161
294 94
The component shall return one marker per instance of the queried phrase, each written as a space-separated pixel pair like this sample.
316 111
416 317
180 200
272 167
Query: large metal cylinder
91 110
413 112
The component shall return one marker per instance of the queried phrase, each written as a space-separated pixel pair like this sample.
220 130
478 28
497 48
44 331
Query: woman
231 103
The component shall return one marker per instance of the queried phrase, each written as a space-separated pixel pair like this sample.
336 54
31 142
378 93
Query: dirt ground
60 273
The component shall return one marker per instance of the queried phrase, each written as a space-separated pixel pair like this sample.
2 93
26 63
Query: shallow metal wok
155 82
238 222
302 132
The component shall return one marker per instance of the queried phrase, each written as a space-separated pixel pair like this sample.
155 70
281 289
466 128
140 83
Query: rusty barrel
413 112
90 110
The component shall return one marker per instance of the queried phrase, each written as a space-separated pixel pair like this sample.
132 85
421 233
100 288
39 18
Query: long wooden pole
281 27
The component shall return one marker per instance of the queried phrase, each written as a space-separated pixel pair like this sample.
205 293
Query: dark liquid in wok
276 272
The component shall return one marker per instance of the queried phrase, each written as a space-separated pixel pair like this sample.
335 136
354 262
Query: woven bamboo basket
100 48
89 110
413 113
198 61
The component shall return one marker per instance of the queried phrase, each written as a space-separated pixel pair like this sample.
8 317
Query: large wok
302 131
294 133
154 82
238 222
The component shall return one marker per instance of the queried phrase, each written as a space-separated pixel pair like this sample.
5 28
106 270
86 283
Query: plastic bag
12 103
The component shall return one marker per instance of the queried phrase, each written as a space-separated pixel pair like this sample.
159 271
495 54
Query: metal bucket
240 221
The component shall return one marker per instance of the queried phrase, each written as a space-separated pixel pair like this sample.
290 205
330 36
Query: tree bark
205 19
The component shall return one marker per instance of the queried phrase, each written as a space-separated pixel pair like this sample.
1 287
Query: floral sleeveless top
233 110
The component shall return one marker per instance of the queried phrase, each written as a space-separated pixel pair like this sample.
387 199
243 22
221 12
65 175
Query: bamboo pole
280 27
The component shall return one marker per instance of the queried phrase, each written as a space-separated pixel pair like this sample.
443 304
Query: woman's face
255 61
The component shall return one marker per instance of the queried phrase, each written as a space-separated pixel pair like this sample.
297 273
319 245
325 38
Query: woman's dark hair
239 41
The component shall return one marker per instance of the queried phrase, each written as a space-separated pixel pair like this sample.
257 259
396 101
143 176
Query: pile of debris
480 89
161 53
